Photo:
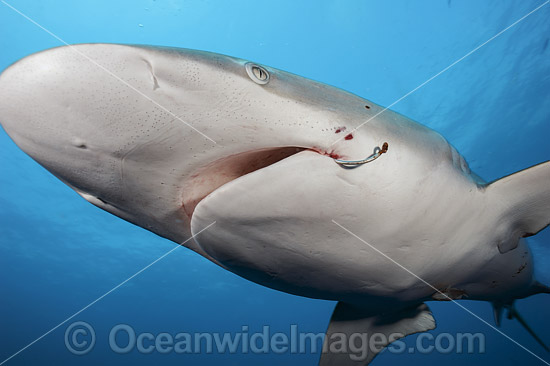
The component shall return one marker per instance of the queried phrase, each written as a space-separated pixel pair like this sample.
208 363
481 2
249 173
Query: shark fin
514 314
539 288
350 324
524 198
497 312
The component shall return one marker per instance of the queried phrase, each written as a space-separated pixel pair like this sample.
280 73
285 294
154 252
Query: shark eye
257 73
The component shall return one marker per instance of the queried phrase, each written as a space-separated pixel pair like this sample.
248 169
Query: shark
287 182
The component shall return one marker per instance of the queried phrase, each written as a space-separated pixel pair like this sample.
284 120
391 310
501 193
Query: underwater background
59 253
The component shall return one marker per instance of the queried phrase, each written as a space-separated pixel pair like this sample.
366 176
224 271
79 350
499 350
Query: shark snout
46 107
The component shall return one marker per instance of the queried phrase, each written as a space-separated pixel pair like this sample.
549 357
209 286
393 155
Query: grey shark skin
122 139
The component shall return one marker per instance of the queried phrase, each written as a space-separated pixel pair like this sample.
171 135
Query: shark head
147 132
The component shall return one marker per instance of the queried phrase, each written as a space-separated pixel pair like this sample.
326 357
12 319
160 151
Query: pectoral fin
356 335
524 199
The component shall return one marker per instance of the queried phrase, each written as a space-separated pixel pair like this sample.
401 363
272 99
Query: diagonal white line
105 294
445 69
437 290
106 70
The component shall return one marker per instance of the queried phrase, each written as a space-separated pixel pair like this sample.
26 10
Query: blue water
58 253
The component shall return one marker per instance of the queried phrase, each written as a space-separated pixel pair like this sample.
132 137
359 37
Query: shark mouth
212 176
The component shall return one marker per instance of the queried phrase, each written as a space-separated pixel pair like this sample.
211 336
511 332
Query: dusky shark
264 170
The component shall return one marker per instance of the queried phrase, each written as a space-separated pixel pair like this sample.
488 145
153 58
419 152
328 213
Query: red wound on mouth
332 154
348 137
